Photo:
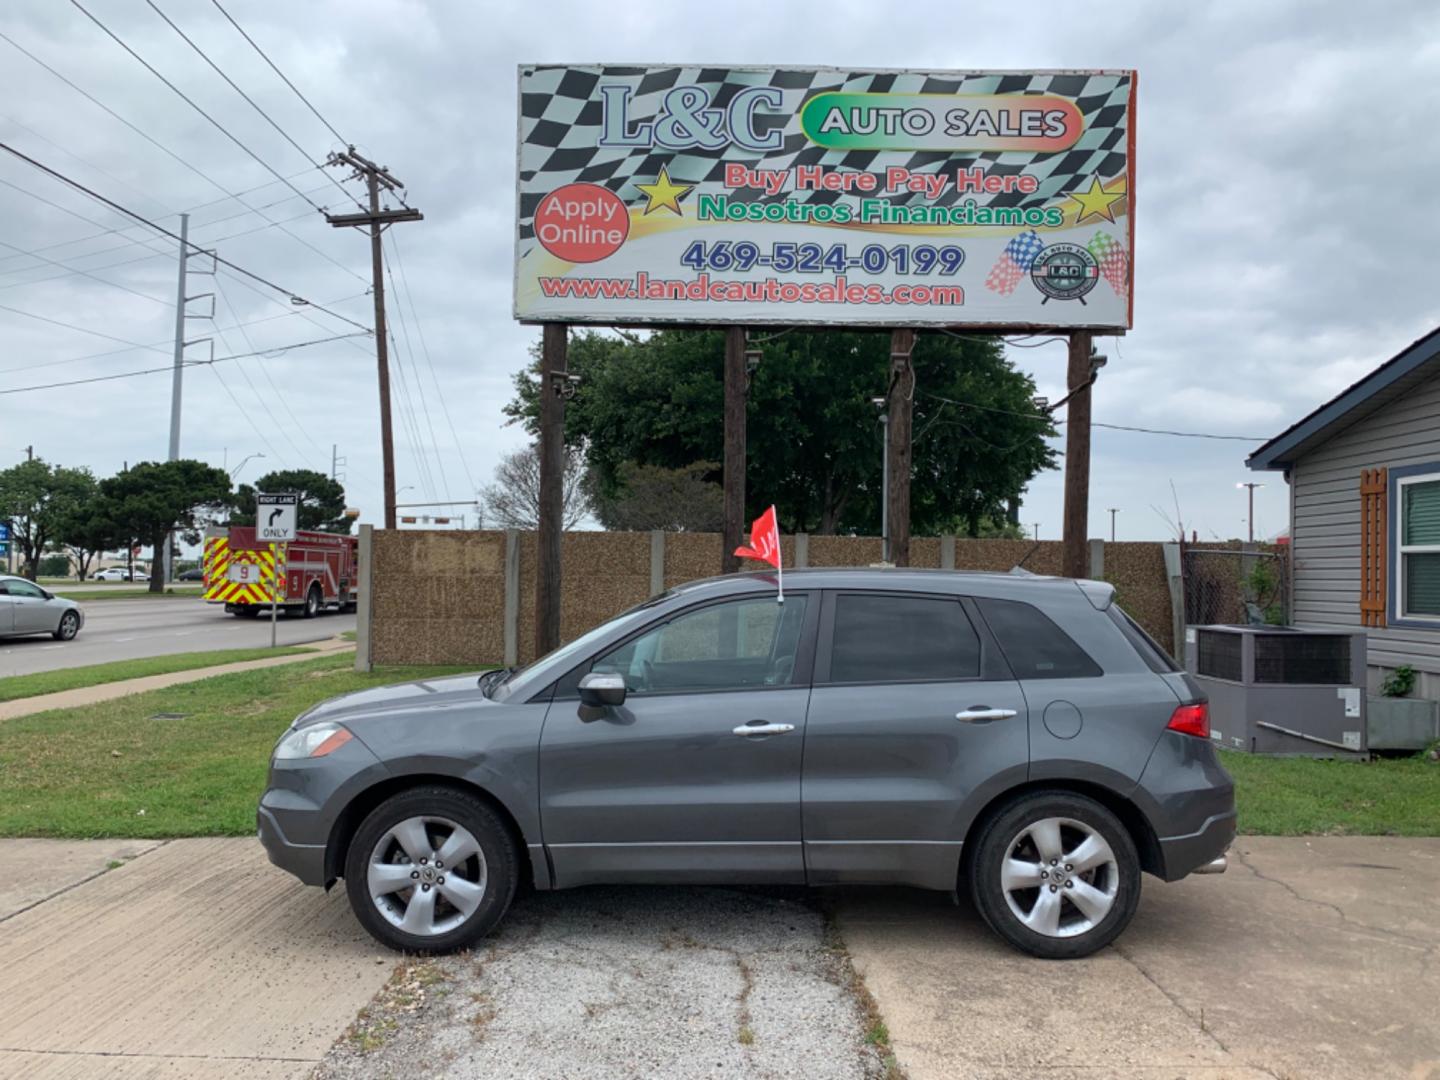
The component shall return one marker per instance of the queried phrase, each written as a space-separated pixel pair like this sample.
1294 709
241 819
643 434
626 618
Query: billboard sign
689 194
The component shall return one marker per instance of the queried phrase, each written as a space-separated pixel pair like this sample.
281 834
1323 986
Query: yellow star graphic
1097 201
664 192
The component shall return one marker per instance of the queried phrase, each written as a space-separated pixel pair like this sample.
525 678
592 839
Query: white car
119 573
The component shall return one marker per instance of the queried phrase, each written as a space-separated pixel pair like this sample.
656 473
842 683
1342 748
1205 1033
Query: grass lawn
50 682
136 592
114 770
1304 796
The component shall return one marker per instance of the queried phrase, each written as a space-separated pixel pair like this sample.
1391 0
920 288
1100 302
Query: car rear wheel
68 628
431 870
1056 875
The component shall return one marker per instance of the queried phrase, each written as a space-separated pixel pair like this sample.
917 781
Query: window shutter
1374 545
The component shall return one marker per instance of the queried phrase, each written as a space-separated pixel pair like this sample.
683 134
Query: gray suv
1015 734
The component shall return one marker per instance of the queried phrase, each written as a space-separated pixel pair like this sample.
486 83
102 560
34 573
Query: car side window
1034 645
887 638
24 588
726 646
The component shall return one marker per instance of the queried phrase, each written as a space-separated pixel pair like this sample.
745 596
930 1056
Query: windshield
555 663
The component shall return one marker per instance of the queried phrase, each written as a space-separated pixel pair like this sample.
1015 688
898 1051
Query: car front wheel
68 628
431 870
1056 875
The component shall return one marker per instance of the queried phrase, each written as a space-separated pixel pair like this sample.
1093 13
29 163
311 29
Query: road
129 629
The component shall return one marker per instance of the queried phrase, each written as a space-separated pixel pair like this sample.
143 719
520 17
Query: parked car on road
119 573
1014 735
27 608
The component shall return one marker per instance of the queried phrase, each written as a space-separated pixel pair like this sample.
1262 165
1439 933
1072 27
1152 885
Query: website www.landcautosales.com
839 290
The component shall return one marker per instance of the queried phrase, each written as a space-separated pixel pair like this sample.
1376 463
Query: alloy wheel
427 875
1060 877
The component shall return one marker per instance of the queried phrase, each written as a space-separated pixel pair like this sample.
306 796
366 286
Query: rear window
902 639
1035 646
1156 658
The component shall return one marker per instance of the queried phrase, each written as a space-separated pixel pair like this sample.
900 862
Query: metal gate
1229 585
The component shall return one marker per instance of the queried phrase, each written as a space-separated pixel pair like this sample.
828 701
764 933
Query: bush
54 566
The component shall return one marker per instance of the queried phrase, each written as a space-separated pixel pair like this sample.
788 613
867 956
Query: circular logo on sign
581 223
1064 272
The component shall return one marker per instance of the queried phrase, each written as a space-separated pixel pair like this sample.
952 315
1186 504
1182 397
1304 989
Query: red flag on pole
765 545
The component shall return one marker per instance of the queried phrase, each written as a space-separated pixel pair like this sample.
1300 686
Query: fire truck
315 572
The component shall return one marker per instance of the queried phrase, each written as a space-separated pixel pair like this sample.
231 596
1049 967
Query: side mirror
598 689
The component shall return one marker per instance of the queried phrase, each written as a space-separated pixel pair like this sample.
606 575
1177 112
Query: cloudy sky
1284 242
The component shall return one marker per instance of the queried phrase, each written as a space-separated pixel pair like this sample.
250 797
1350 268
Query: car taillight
1191 720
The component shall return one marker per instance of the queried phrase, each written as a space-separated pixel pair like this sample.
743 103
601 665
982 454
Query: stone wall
469 597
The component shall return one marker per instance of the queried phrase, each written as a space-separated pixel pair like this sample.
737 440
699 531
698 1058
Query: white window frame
1402 549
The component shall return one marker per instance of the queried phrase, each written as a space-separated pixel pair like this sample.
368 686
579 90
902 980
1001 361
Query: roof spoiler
1101 594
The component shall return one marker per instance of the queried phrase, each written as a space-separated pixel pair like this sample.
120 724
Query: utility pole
734 452
336 461
1251 485
554 385
30 452
884 480
1079 375
1113 511
377 176
898 450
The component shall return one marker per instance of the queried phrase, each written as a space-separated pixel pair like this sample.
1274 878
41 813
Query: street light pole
1113 511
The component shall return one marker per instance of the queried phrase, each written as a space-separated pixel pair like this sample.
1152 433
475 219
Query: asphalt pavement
131 629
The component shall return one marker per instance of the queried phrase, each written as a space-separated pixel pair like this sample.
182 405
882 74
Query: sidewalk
90 695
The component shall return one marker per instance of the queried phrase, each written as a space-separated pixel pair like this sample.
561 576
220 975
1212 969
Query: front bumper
305 861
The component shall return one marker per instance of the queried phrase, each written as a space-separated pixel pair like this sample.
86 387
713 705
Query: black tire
1007 828
68 628
313 601
472 813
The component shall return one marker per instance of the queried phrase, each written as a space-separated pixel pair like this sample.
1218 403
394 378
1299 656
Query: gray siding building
1364 477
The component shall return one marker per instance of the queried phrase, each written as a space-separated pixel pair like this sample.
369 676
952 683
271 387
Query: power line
73 326
248 418
277 71
285 134
96 277
1113 427
295 298
171 153
419 383
189 101
424 348
171 367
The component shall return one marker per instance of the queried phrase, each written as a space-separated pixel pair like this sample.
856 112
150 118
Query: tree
654 497
153 499
513 500
814 443
34 497
322 500
88 528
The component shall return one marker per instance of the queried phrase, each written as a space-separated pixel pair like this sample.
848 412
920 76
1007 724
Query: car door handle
761 727
983 714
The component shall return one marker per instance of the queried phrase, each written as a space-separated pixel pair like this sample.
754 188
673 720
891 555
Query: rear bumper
305 861
1198 852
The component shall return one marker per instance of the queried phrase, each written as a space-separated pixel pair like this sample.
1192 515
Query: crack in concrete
1395 935
75 885
162 1057
1175 1001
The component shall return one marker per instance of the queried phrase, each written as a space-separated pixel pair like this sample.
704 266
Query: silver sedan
26 608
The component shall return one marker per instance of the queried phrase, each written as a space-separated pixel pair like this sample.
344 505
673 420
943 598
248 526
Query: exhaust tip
1214 866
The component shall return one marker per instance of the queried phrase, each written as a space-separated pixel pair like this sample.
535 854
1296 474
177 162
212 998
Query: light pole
236 471
1113 511
881 403
1252 485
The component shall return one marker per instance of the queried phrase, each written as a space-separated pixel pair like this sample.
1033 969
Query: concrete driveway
192 958
195 958
1310 958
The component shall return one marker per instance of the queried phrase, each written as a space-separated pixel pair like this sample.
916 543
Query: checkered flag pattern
561 118
1114 262
1014 263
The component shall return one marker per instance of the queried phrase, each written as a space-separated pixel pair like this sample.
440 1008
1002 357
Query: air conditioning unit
1281 690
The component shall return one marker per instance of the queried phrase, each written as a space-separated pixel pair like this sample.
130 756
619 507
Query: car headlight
312 741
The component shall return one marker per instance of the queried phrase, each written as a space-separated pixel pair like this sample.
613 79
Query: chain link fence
1234 586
